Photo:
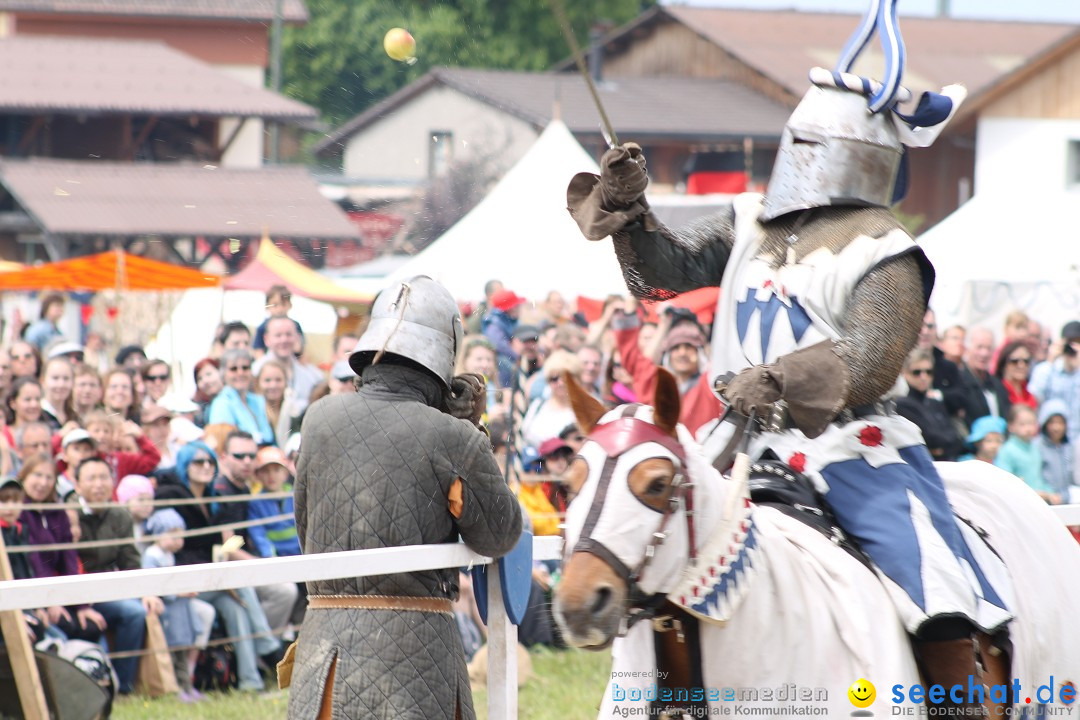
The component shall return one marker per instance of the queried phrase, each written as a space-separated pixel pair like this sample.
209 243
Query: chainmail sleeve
662 263
882 324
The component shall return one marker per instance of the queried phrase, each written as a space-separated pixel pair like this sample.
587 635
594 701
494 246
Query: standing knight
400 462
823 295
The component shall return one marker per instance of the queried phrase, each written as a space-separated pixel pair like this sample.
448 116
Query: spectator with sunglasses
156 376
25 360
237 404
238 478
194 477
923 406
1013 369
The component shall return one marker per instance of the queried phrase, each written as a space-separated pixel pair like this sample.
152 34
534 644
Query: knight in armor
402 461
823 296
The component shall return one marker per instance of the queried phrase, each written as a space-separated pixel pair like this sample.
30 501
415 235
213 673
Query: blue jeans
127 622
240 621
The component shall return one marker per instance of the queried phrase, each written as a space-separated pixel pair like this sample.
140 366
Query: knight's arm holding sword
854 367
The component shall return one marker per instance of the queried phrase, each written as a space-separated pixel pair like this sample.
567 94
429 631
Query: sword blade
564 23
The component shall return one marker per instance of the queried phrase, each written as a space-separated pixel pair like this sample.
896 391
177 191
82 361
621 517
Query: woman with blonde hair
57 385
478 356
547 416
273 384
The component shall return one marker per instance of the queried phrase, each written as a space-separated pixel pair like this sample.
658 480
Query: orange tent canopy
113 270
271 266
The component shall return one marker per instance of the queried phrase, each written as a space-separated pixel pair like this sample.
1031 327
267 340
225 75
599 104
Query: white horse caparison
803 617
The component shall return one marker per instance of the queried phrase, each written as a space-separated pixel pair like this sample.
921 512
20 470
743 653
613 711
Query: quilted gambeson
375 469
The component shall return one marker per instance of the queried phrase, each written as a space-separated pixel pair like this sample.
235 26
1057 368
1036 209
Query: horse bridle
615 438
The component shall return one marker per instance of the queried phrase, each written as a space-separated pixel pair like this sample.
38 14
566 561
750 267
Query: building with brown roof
693 82
772 51
82 98
232 36
191 212
403 138
139 123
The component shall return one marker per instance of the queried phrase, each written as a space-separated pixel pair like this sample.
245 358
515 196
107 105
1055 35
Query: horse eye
657 486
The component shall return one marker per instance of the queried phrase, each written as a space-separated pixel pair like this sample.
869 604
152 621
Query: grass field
566 685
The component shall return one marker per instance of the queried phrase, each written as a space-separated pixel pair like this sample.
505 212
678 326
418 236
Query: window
1072 165
440 152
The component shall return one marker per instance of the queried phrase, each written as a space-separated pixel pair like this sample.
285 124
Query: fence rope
215 642
206 499
88 544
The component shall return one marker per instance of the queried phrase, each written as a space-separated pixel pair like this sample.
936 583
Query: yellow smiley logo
861 693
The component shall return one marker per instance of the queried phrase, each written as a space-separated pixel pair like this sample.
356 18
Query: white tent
522 234
999 253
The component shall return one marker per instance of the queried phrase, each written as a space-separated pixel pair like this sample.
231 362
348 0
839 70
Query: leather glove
815 382
622 176
467 398
754 389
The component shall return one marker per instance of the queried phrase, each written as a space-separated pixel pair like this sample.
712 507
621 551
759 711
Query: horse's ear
587 409
666 406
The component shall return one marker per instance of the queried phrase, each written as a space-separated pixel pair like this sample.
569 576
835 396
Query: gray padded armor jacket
375 469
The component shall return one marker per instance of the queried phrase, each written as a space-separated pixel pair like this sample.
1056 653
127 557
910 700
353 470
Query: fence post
502 652
21 654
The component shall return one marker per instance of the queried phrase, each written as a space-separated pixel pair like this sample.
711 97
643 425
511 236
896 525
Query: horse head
628 529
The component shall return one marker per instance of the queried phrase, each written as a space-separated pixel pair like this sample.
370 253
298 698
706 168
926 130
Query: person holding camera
1057 377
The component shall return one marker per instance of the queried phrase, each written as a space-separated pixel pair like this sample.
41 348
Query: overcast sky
1048 10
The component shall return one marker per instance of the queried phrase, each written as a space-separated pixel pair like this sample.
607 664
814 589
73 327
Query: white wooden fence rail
102 587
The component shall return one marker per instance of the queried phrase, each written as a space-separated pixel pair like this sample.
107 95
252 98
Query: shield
515 580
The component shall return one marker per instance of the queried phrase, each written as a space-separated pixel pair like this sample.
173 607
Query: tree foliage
336 62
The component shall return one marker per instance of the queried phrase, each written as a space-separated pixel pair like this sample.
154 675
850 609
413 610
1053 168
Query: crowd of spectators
1013 401
117 442
115 445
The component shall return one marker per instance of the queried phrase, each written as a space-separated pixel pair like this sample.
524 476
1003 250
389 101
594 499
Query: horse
787 620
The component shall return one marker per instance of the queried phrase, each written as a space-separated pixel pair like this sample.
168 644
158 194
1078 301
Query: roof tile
293 11
709 109
93 76
784 45
104 198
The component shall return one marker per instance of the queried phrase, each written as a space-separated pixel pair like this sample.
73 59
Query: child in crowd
11 499
985 440
278 538
273 474
122 444
278 304
1019 454
186 620
1055 449
76 446
137 493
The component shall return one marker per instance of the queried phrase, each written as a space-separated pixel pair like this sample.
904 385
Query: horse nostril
601 599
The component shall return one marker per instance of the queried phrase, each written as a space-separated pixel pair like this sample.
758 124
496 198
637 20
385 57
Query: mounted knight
823 295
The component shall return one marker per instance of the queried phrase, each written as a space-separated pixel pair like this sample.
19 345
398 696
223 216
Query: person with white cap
399 462
342 378
76 446
71 351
